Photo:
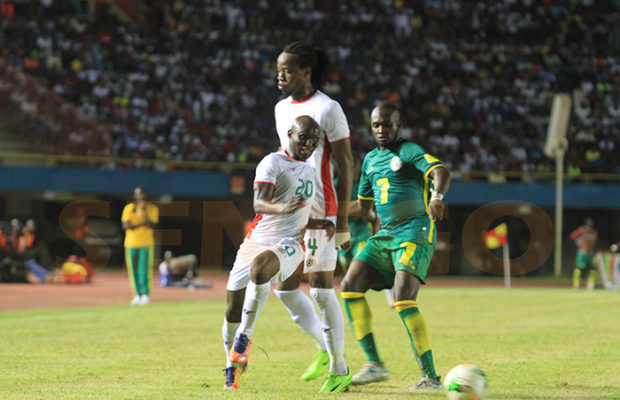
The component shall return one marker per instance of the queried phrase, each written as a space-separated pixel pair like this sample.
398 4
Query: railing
102 162
169 165
518 176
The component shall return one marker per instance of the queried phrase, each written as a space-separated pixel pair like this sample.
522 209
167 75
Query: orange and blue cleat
241 349
233 376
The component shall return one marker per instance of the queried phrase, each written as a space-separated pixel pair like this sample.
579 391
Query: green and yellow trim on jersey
428 171
427 188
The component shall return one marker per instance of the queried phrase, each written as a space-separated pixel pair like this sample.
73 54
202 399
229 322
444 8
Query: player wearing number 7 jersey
407 186
272 250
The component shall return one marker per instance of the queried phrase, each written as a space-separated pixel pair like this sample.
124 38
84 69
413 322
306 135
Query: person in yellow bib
139 218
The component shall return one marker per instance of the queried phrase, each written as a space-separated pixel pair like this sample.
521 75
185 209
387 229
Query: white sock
333 327
228 336
255 298
303 313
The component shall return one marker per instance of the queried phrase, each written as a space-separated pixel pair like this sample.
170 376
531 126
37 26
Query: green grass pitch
533 343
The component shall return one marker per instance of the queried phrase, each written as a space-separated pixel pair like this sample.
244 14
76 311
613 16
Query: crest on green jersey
396 163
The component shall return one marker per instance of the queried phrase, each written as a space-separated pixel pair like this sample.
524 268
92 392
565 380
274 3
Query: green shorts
389 254
584 260
346 256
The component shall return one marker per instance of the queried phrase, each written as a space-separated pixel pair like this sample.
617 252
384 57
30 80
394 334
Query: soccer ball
466 382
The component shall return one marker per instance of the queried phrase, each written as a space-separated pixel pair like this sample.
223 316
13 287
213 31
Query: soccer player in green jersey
407 186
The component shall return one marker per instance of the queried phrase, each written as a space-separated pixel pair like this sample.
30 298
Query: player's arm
437 209
127 224
263 193
355 209
376 226
343 156
363 208
367 210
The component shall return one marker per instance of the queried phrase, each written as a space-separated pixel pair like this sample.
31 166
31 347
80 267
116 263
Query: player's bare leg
359 278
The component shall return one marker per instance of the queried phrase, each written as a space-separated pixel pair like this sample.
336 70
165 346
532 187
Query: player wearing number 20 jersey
290 177
272 251
283 232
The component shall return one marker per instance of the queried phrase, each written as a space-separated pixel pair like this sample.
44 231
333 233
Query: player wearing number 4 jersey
302 70
284 190
407 186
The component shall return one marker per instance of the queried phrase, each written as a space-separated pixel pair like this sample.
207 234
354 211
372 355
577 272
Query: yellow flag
496 237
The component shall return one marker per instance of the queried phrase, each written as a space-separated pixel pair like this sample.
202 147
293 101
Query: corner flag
496 237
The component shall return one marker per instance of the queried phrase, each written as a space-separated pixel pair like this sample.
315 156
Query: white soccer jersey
290 177
329 115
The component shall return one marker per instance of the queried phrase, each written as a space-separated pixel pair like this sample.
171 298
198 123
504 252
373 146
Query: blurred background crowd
195 80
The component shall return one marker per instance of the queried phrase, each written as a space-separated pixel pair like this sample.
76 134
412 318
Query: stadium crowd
195 80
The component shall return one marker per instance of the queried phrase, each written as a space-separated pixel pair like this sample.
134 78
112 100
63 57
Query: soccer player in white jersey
284 190
302 71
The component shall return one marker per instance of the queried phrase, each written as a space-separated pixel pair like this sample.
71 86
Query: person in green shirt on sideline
407 186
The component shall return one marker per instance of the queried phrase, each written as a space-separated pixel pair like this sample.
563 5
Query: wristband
342 237
435 195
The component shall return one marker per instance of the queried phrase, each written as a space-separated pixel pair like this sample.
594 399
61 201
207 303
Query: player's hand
295 203
343 236
330 229
140 208
372 215
437 210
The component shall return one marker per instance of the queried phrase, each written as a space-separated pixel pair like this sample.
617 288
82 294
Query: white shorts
289 251
321 253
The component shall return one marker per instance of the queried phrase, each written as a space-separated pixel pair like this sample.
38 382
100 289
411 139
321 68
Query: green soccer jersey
397 180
